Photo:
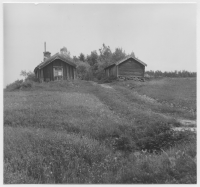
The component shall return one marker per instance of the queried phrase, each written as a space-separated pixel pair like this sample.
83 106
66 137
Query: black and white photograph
99 92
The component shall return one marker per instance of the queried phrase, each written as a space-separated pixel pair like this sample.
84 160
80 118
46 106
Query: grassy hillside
180 92
175 94
82 132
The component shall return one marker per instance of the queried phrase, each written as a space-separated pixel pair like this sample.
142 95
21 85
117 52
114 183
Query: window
58 73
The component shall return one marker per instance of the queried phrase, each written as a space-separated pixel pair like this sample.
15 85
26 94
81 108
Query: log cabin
127 67
56 67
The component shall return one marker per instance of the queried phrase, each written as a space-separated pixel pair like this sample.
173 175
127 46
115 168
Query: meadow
174 93
84 132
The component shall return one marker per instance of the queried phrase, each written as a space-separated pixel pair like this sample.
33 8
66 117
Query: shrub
14 86
84 70
124 143
160 136
29 76
18 85
27 84
32 77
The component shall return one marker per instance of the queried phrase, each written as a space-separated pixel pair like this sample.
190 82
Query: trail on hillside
185 124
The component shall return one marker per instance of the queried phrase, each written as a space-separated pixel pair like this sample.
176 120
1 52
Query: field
83 132
177 93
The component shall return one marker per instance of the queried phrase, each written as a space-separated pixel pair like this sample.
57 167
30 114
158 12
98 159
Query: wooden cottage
128 67
56 67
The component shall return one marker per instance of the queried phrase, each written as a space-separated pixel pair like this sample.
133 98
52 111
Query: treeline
170 74
91 67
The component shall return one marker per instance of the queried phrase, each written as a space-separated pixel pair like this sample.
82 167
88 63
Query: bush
151 138
27 84
124 143
18 85
161 136
14 86
30 76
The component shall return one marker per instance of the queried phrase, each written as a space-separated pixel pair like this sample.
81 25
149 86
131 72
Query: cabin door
58 73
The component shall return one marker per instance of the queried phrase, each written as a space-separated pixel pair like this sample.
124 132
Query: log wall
46 73
132 68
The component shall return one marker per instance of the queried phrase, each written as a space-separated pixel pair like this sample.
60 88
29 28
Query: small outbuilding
128 67
56 67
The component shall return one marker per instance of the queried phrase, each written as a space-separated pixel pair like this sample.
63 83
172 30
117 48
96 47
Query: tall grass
181 93
76 132
43 156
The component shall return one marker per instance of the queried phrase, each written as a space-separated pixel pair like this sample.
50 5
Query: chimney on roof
46 53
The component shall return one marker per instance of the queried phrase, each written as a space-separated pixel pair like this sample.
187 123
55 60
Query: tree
65 52
105 54
25 74
28 75
81 57
132 54
75 59
83 69
119 54
92 59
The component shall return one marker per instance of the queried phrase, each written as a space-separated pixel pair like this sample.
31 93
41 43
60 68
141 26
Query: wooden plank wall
111 71
106 72
131 68
68 70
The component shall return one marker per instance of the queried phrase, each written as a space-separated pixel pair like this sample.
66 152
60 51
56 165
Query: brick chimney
46 53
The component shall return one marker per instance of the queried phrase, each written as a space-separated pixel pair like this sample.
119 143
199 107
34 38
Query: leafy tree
92 59
105 54
25 74
28 75
132 54
81 57
82 69
75 59
65 52
119 54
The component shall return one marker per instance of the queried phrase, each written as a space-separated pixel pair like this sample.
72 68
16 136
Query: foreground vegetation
82 132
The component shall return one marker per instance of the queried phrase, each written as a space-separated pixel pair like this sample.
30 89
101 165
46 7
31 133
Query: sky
161 35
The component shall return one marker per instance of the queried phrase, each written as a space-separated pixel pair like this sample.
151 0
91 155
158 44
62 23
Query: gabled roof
54 57
126 58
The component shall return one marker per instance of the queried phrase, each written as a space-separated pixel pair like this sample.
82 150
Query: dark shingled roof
128 57
54 57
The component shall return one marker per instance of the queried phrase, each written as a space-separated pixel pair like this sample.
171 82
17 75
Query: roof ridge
56 55
127 57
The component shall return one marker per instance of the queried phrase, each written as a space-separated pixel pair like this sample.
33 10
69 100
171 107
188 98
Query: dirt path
186 124
106 86
102 85
194 129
